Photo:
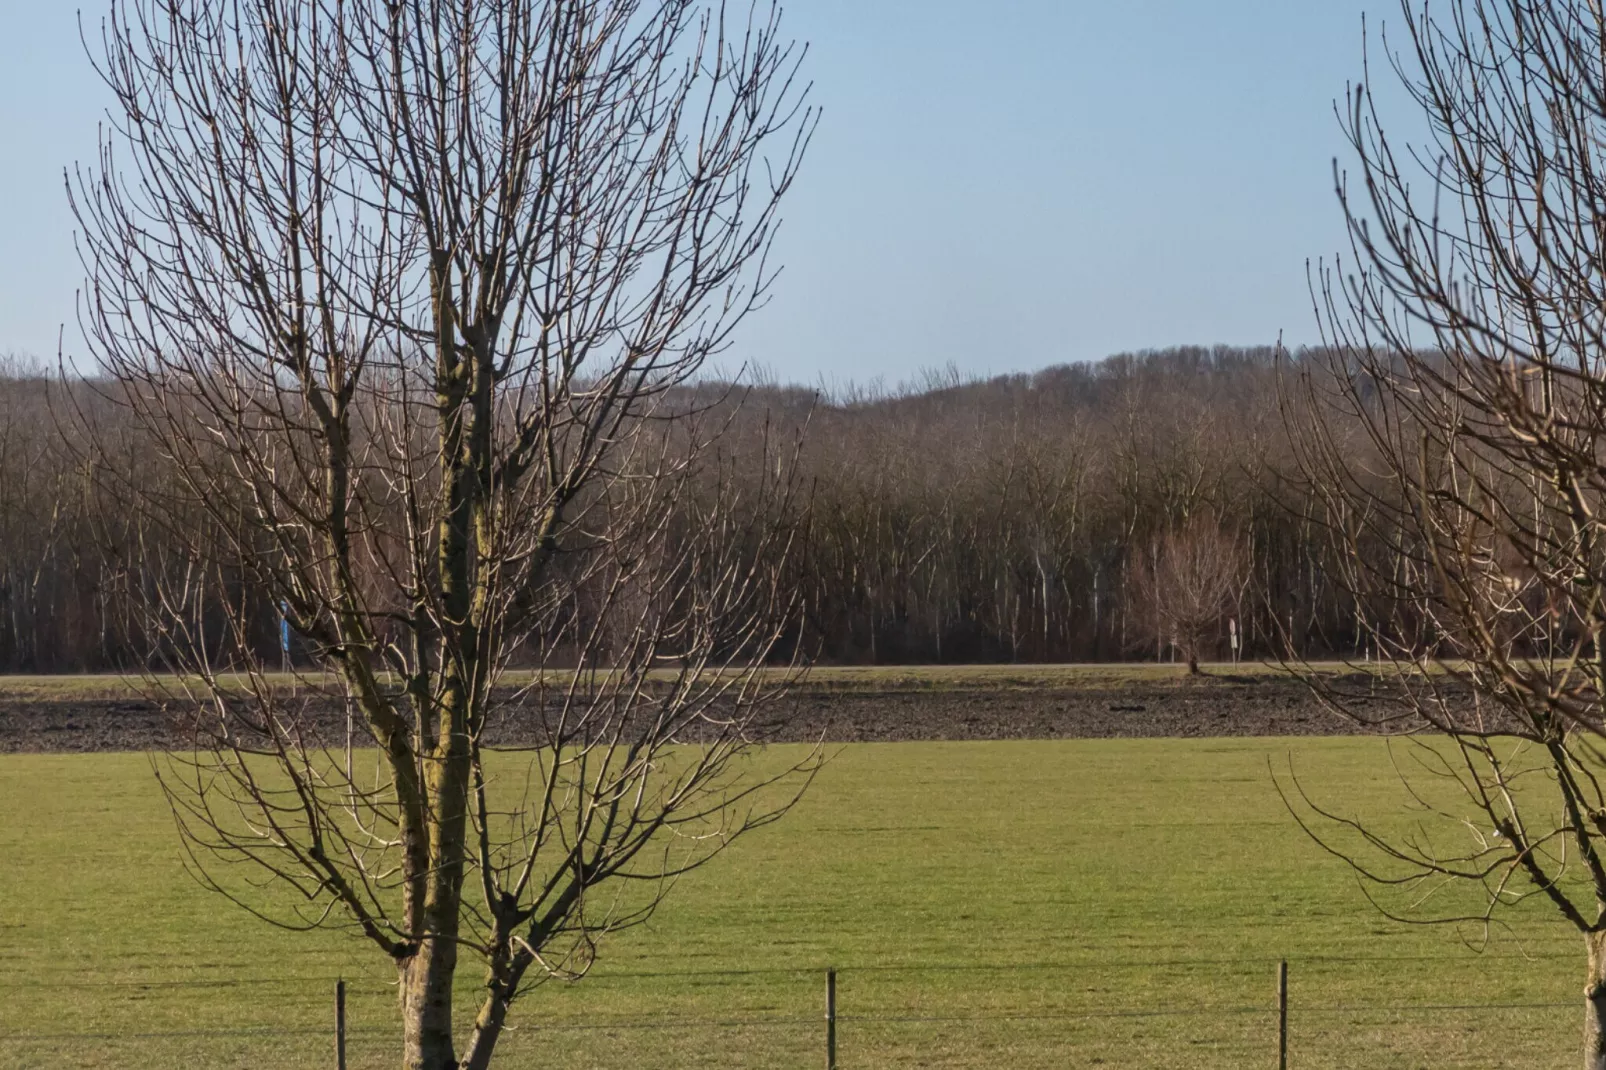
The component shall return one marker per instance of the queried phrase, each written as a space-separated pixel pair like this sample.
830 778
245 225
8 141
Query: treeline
1007 520
955 521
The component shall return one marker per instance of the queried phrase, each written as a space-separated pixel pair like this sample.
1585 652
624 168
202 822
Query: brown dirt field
1216 705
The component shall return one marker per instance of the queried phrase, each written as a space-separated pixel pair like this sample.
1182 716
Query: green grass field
1034 904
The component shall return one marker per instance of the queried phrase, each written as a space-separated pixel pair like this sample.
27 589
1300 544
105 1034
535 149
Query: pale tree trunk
1595 1003
426 994
487 1031
493 1014
427 978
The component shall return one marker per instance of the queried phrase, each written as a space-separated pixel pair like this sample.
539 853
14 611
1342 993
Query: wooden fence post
830 1019
1282 1015
340 1024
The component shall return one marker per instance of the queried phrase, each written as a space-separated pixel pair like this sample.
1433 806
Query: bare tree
409 295
1192 578
1466 347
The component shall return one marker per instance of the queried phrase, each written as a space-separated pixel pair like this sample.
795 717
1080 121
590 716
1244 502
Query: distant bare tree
1194 575
410 297
1468 346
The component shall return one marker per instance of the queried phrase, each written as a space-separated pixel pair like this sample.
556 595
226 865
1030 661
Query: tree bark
487 1031
426 981
493 1013
1595 1002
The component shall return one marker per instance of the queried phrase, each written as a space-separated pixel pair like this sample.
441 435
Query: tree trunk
427 1005
487 1031
1595 1003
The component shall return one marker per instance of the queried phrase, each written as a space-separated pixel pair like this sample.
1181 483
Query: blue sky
998 186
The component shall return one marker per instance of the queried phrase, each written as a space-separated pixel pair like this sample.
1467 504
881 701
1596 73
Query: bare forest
1024 518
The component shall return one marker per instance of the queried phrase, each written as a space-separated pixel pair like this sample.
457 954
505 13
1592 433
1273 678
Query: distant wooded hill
1006 519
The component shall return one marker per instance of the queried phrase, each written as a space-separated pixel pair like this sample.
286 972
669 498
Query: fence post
830 1019
1282 1015
340 1024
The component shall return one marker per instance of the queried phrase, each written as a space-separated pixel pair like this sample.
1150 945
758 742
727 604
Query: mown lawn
1022 904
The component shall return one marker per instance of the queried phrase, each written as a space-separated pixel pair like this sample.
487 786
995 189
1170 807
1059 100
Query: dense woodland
1011 519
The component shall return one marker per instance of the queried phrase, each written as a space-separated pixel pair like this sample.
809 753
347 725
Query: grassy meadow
1119 903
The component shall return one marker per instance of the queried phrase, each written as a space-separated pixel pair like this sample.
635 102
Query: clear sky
1000 186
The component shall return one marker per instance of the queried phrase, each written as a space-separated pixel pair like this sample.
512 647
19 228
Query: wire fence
861 1015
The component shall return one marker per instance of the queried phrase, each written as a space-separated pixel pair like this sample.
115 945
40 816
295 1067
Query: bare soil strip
1248 704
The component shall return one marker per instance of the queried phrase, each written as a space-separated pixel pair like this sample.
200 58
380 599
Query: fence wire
803 1015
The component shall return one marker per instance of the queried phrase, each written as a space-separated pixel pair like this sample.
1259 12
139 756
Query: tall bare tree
411 296
1193 577
1467 348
